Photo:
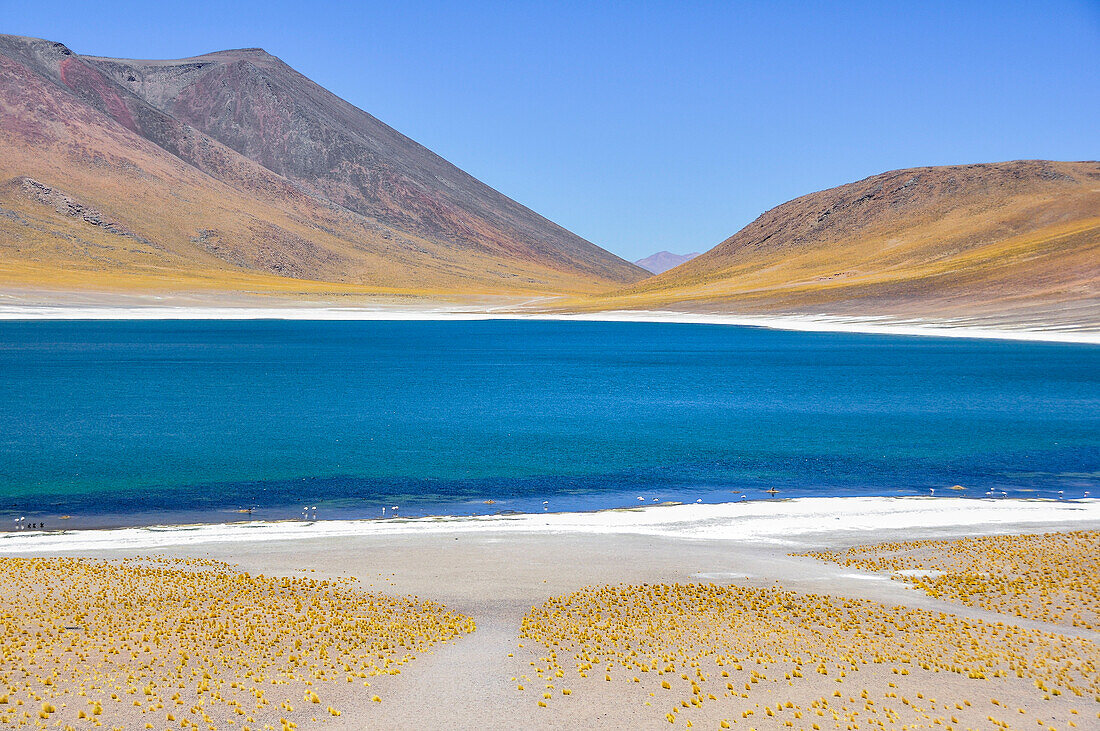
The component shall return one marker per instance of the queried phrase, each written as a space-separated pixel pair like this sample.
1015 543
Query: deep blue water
133 422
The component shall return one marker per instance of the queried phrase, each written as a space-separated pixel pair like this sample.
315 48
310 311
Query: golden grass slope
1017 238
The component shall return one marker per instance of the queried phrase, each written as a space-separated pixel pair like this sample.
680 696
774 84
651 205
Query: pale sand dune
497 575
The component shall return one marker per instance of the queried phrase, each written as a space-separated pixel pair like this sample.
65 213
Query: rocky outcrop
66 204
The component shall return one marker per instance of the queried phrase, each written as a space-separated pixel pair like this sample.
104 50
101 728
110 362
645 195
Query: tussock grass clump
724 654
193 641
1051 577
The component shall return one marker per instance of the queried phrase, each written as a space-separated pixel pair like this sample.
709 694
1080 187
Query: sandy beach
498 570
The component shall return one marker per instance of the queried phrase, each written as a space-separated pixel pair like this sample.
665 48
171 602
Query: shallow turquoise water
117 422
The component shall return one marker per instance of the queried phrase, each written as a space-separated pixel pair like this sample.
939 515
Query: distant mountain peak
662 261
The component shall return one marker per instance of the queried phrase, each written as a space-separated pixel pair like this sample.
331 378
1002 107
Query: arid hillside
1012 241
233 172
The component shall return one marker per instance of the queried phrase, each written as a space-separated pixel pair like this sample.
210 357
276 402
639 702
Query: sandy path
464 685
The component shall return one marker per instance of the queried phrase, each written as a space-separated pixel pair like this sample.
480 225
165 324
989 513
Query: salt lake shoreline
794 522
824 323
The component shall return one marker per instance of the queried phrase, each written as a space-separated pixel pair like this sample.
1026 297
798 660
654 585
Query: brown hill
232 171
1016 240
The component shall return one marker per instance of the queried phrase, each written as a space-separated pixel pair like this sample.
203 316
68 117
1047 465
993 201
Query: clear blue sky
649 126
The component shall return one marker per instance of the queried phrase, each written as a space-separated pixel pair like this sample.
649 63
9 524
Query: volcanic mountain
1014 242
662 261
231 171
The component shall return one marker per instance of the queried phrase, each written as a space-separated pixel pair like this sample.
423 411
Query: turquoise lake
130 422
